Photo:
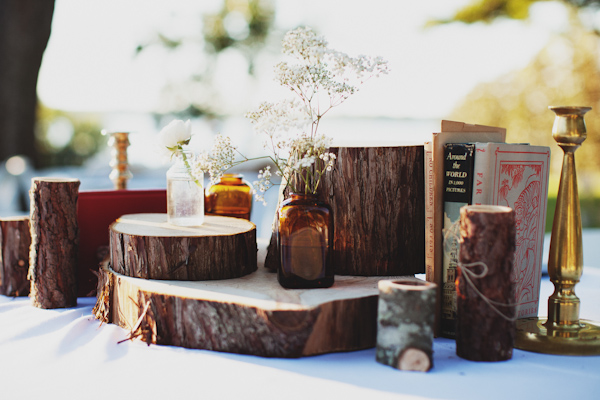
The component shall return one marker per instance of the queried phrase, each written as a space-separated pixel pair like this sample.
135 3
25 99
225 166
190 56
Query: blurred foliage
489 10
565 72
590 214
65 139
240 25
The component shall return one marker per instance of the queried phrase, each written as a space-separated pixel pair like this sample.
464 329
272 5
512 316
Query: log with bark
54 242
15 240
248 315
377 195
485 326
147 246
405 324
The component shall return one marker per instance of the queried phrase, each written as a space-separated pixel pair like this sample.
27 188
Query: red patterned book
516 176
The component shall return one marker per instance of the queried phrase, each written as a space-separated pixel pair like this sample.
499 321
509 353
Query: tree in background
565 72
24 33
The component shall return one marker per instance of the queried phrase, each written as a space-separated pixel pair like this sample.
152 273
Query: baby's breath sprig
321 78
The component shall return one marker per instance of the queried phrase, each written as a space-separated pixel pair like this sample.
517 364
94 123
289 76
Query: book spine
429 211
482 175
458 185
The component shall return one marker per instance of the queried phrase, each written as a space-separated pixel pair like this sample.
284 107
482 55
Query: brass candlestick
563 332
120 173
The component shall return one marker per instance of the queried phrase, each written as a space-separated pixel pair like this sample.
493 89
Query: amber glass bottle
231 197
305 242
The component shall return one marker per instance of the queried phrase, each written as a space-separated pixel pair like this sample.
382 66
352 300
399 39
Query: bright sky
89 64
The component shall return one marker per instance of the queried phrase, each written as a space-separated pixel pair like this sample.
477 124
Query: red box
96 210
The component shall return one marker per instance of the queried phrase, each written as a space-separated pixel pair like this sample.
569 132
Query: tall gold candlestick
120 174
563 332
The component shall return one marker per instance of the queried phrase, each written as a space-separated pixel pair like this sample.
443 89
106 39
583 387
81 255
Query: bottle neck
231 179
303 196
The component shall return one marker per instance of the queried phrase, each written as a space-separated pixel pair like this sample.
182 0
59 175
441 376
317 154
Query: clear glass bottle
231 197
305 243
185 195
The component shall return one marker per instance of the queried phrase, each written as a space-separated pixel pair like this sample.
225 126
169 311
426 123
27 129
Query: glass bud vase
305 243
231 197
185 196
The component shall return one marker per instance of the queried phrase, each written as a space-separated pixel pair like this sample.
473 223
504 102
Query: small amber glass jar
231 197
305 243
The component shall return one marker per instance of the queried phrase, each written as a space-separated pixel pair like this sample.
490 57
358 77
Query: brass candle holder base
563 332
532 335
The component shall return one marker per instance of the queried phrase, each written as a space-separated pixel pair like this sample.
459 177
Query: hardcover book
458 183
516 176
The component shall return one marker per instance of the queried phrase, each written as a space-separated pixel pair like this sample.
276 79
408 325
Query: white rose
176 133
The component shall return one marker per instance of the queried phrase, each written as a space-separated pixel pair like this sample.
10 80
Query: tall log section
485 326
377 195
54 242
14 256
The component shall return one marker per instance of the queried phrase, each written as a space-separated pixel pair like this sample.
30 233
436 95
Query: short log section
147 246
377 195
15 240
54 242
248 315
405 324
485 315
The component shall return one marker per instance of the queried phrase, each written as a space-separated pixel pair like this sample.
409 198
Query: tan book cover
516 176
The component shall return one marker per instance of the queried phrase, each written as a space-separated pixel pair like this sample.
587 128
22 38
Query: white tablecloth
67 353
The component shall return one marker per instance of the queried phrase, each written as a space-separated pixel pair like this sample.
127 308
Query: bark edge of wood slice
147 246
249 315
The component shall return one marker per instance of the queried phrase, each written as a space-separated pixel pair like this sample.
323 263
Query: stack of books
472 164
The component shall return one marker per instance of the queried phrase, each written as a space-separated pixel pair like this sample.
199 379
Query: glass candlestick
563 332
120 174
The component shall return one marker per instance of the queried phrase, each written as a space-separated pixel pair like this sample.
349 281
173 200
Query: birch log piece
15 240
147 246
405 324
248 315
377 195
54 242
485 327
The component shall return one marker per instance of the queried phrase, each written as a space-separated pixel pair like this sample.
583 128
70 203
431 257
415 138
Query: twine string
452 233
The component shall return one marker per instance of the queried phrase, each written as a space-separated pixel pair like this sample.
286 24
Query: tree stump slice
377 195
147 246
248 315
485 326
405 321
54 242
15 240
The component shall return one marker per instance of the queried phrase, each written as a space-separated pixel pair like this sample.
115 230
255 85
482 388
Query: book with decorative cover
516 176
458 183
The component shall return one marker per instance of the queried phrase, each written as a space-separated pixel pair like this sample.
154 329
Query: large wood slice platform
248 315
146 246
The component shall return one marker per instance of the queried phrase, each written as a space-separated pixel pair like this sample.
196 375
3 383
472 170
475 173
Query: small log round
15 240
147 246
54 242
485 327
405 324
